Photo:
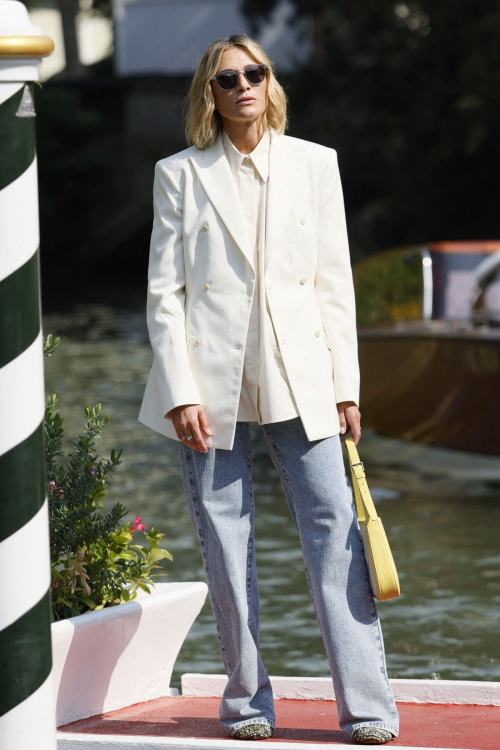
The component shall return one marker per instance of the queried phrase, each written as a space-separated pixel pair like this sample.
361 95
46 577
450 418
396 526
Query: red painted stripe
422 725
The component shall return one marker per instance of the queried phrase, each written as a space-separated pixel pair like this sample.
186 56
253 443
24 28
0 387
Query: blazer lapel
214 172
285 167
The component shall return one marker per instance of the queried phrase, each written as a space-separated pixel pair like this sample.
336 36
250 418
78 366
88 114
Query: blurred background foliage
389 289
407 92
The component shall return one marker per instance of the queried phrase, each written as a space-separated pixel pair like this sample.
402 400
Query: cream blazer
201 281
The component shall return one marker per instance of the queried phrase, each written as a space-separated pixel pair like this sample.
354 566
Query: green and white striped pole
27 713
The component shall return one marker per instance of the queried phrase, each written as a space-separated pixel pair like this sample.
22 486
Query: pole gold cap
26 46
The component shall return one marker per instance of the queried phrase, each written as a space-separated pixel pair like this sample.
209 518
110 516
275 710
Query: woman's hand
350 418
190 419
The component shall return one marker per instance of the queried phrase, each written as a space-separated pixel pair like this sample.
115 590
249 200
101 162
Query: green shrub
93 558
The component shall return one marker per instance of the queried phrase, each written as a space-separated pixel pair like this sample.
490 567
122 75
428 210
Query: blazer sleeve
166 293
334 284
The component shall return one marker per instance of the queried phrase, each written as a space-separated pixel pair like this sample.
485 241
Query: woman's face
246 102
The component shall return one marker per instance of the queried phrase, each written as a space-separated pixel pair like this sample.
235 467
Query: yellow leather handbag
383 574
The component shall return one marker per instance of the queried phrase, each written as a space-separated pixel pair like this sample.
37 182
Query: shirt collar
259 156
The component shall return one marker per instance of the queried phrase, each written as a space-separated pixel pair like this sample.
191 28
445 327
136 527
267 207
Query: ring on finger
186 437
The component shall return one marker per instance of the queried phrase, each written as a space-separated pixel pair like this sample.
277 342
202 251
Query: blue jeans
219 493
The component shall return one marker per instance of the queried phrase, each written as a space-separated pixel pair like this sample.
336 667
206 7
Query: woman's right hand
190 419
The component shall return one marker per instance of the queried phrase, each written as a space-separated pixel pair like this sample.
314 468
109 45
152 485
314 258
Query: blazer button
302 221
197 342
206 286
303 280
205 227
317 333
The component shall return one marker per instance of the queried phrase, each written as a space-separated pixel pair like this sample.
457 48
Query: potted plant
115 633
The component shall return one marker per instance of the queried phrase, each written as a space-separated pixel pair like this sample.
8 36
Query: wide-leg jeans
219 494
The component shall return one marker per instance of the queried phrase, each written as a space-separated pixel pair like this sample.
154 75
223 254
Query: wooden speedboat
429 343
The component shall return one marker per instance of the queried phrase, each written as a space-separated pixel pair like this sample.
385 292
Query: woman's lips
246 101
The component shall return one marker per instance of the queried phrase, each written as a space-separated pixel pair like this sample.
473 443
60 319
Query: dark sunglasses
227 79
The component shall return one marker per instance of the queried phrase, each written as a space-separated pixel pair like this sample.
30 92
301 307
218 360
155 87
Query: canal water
441 511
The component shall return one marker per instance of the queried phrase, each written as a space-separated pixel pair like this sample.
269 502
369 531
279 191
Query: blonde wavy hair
203 121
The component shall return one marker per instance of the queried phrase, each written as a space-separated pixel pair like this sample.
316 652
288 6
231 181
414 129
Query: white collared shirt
265 390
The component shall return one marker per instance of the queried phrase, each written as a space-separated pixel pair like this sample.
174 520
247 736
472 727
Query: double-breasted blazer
201 281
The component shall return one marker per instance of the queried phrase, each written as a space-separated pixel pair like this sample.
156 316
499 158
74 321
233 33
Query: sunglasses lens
255 73
227 80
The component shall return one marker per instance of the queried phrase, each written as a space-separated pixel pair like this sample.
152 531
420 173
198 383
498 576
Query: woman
251 316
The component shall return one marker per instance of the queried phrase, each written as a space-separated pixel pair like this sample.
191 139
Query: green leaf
160 554
88 601
123 538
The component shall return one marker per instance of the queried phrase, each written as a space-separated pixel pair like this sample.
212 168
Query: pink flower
53 489
137 525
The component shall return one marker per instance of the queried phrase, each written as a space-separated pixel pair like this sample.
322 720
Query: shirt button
205 227
248 177
302 221
197 342
303 280
206 286
317 333
248 213
252 367
252 328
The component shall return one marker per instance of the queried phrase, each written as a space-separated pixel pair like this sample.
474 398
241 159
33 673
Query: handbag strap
362 498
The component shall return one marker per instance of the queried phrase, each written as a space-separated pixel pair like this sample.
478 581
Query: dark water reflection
440 509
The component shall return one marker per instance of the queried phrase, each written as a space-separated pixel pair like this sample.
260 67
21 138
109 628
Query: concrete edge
161 590
70 741
461 692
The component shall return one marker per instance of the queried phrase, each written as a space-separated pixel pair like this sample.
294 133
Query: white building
167 37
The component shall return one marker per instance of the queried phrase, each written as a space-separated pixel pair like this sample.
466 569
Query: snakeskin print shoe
372 736
254 731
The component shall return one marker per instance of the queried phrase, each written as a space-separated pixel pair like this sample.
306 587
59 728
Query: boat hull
431 386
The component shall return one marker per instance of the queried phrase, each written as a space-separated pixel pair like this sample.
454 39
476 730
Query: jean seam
251 559
195 502
275 450
378 626
251 540
276 453
383 668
